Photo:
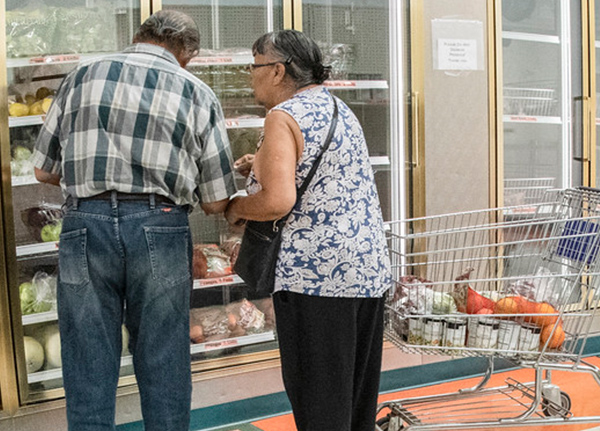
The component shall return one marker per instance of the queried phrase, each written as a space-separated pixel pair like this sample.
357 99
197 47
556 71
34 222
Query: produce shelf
51 59
28 120
25 180
233 342
32 319
56 373
231 123
38 248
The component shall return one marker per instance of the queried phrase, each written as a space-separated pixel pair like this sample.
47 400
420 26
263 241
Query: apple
51 231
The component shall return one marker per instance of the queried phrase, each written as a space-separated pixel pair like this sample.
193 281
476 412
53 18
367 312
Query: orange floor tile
581 387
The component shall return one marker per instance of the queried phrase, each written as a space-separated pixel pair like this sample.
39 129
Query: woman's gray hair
300 54
174 30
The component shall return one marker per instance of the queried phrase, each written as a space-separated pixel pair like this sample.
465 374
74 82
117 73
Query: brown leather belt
107 196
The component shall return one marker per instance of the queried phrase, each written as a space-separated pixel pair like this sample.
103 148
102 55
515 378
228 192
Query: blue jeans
125 261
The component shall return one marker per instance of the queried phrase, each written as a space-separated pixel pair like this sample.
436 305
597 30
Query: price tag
221 344
63 58
523 118
204 282
211 60
340 83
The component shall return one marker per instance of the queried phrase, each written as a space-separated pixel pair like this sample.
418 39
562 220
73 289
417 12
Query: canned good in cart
509 336
415 330
486 333
433 331
455 332
529 338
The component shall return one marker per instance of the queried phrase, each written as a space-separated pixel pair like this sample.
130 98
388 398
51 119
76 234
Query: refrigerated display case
544 103
230 325
43 41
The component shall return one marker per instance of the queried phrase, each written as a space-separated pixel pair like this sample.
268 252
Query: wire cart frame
520 283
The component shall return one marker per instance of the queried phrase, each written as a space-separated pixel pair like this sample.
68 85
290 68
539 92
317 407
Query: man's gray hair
172 29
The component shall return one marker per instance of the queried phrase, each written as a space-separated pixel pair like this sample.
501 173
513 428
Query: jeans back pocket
169 253
72 258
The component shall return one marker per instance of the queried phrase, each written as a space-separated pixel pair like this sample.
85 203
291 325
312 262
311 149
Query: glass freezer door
44 40
544 102
354 36
228 323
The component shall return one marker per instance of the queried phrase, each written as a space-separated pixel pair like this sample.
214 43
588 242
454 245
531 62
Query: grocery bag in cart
520 283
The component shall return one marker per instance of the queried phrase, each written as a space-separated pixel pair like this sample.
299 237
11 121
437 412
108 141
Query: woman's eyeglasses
251 67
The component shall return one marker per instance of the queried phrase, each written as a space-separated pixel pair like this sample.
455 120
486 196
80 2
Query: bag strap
314 167
317 161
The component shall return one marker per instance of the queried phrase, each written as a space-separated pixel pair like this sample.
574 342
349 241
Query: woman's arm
275 169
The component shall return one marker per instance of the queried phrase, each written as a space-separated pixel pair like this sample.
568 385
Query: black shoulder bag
261 242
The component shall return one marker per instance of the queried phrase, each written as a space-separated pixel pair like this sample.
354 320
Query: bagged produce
85 29
39 294
44 222
544 286
30 31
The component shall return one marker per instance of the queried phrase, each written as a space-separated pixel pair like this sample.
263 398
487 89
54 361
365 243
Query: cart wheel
549 410
384 423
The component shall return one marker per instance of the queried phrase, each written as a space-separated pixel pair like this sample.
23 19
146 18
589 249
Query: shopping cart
512 283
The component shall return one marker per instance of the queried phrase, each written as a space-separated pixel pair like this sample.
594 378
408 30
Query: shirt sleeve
216 162
47 149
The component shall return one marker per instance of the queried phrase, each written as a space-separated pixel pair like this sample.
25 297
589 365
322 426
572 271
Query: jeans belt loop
114 199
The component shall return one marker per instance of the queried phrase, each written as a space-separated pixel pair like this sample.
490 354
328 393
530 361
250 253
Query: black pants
330 359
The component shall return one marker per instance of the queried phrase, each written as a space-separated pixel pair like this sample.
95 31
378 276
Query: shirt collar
149 48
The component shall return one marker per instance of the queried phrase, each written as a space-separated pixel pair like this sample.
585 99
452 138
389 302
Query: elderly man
134 141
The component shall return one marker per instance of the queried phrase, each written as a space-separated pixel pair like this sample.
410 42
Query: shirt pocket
169 254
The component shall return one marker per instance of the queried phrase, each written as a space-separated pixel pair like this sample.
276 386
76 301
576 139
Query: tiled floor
581 387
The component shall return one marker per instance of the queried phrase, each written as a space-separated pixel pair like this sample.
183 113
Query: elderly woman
333 268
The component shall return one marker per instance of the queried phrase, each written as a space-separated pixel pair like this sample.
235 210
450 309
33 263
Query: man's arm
214 207
46 177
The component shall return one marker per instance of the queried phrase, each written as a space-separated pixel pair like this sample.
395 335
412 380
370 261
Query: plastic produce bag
30 31
541 287
247 315
39 294
44 222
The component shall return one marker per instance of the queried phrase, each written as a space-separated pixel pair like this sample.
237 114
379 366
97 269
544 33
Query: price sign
221 344
211 60
340 83
63 58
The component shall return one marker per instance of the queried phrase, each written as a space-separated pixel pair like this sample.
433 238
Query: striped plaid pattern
136 122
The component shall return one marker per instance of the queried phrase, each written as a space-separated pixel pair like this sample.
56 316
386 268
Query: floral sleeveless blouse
333 243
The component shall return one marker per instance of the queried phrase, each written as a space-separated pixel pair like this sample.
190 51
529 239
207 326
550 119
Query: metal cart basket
520 283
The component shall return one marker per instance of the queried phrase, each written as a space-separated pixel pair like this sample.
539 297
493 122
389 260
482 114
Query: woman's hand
244 164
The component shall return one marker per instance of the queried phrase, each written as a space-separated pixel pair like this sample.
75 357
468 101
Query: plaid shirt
137 122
